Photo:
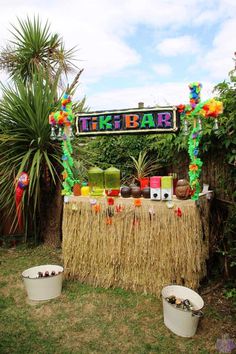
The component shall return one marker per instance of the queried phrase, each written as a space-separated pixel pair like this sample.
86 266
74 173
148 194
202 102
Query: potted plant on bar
143 167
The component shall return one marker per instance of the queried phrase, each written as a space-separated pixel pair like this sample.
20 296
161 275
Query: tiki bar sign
144 120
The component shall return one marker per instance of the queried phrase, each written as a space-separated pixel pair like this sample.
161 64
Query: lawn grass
90 320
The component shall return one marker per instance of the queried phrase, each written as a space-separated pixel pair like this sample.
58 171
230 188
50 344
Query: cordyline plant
36 60
24 141
34 48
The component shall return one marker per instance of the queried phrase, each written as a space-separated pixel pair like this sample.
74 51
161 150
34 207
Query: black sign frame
157 120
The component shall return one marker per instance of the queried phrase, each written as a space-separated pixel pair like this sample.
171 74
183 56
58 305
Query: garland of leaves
67 163
194 112
195 166
65 118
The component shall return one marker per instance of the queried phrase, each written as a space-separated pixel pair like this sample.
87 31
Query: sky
138 50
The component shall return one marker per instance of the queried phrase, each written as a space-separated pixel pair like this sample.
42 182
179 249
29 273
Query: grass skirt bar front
139 248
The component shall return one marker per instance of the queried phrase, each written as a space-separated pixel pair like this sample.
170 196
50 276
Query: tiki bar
141 246
143 235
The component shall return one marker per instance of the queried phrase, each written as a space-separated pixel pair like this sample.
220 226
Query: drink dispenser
166 188
96 181
112 181
155 187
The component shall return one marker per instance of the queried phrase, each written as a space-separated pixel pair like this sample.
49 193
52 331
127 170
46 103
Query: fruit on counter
136 192
146 192
125 192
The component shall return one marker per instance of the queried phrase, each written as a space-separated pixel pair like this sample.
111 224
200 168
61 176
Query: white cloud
103 32
218 60
207 17
91 25
100 28
169 93
178 46
162 69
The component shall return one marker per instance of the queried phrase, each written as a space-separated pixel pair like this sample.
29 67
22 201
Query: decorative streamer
194 141
64 119
194 113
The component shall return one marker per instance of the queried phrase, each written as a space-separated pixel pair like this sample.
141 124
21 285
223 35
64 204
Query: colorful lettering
117 122
84 123
131 121
94 123
164 120
148 121
104 122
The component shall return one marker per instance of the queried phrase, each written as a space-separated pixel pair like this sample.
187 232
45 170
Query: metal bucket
181 322
44 288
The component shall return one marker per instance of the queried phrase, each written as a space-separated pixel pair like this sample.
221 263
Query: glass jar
96 181
112 181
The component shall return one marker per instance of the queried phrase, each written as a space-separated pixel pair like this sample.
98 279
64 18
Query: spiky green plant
143 165
24 140
33 48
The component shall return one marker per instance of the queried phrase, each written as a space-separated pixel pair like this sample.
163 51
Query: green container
96 181
112 181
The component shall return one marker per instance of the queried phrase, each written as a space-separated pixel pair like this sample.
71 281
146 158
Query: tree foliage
35 59
34 48
24 139
166 148
227 132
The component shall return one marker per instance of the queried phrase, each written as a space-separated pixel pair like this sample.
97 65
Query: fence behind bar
214 173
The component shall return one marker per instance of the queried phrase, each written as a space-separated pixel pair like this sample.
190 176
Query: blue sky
138 50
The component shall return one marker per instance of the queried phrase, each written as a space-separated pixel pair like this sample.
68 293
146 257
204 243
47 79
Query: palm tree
33 48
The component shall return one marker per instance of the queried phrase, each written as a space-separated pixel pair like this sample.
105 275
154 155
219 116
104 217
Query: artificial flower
110 201
178 212
64 174
108 220
193 167
181 108
96 208
118 208
137 202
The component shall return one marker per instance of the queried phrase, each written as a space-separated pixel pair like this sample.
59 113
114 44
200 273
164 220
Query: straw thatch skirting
139 248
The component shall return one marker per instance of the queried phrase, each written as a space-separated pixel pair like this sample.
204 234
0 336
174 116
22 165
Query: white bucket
44 288
183 323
